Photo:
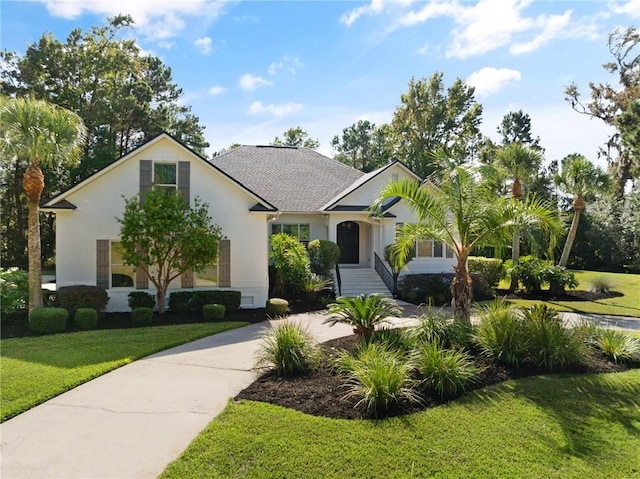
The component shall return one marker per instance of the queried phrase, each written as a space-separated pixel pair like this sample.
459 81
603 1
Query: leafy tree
291 263
628 124
430 118
45 135
463 211
516 128
296 136
166 239
520 164
581 179
609 101
363 146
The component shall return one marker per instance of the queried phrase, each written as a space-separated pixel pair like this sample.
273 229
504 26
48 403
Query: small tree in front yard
166 238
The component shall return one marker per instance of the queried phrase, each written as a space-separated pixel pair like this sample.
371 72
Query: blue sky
252 69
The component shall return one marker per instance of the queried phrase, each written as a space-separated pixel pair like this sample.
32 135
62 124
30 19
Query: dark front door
349 241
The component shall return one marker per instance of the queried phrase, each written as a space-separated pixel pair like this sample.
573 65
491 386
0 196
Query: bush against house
291 263
165 238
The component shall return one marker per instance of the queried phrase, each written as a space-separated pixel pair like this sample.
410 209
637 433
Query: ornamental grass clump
378 377
551 346
500 334
447 372
290 349
364 312
617 345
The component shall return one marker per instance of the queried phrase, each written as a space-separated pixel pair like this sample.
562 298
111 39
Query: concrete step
357 281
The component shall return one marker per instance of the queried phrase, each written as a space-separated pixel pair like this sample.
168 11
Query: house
253 192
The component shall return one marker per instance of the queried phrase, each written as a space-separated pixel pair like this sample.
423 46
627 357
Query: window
122 275
207 277
165 177
430 248
300 231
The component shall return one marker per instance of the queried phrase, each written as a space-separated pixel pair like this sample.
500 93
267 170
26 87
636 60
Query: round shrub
323 256
86 318
142 316
277 307
140 299
213 312
48 320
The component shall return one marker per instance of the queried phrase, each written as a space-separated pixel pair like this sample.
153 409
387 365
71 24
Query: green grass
35 369
547 426
626 305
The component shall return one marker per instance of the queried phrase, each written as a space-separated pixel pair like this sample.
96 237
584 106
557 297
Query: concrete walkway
132 422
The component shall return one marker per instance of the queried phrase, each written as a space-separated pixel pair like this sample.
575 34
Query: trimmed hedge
193 301
48 320
86 319
82 296
493 268
213 312
140 299
142 316
435 288
277 307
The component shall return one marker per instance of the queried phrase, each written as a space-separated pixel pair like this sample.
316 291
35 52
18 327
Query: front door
348 236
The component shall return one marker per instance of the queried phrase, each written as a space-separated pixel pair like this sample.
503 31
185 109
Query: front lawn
628 304
35 369
546 426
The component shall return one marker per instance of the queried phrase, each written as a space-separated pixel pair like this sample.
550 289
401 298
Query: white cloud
554 25
423 49
373 8
249 81
155 19
276 110
289 63
631 8
489 80
217 90
165 44
204 45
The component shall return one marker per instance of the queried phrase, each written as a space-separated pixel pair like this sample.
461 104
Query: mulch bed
321 393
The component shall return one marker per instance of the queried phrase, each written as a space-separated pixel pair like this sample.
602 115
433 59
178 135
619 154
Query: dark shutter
224 263
102 263
142 280
146 178
184 180
187 279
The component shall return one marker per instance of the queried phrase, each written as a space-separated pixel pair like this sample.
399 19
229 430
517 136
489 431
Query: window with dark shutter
102 263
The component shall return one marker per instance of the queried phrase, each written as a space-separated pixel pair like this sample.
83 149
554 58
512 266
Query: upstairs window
165 177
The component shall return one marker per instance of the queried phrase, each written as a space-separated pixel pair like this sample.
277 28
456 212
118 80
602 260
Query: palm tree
364 312
581 179
520 164
44 135
463 210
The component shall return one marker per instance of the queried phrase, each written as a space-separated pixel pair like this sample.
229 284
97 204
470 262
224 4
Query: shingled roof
292 179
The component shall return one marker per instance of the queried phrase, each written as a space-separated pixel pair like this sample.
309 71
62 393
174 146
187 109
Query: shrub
291 263
14 290
379 377
86 319
290 349
618 345
213 312
323 256
181 301
500 335
74 297
140 299
142 316
48 320
551 345
315 286
559 278
530 273
432 326
277 307
492 268
230 299
445 371
363 312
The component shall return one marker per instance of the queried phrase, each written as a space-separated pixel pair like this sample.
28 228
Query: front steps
357 281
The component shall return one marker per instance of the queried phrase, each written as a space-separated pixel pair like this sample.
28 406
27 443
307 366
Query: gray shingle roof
292 179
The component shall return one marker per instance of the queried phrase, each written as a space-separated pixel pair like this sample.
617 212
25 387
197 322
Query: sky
253 69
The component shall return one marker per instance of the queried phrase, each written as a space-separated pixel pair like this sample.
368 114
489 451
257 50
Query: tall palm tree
520 163
581 179
44 135
463 210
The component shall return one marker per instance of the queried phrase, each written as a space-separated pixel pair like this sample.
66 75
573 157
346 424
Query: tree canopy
364 145
296 136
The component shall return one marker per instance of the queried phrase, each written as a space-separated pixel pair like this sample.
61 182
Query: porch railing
384 273
338 280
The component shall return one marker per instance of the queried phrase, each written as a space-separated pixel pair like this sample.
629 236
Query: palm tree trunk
573 230
515 256
461 291
33 184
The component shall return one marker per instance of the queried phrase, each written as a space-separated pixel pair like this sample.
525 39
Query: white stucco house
252 192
